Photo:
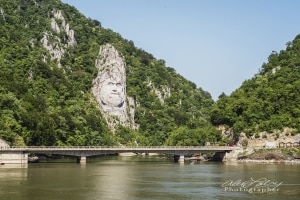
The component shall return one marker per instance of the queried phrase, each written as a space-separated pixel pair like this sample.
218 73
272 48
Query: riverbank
297 161
276 155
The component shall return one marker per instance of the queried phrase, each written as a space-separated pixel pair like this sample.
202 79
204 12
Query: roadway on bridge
100 150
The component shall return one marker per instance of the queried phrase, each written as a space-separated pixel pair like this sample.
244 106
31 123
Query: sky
216 44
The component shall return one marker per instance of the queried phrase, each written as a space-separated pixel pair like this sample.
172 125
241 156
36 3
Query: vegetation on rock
267 102
45 93
46 75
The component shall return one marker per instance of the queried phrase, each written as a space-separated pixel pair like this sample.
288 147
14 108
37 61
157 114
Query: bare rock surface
109 88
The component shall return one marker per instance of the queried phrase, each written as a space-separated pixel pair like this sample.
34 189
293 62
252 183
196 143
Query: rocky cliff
66 80
109 88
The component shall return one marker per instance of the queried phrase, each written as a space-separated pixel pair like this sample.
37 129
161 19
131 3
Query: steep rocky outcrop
109 88
52 42
162 93
3 144
64 81
2 13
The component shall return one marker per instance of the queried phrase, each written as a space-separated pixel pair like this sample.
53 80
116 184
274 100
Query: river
136 178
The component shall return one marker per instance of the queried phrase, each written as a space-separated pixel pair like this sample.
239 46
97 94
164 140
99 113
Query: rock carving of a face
109 88
112 90
110 84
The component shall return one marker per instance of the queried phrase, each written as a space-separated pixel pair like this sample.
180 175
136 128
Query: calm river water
148 178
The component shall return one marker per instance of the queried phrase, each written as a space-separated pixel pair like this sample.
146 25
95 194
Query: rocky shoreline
263 155
296 161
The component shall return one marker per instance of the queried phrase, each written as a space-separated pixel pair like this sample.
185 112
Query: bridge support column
179 158
81 159
219 156
13 158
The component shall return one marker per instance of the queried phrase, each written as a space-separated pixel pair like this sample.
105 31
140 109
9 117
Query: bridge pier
179 158
81 159
219 156
13 158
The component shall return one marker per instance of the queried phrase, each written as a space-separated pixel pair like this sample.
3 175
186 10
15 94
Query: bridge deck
98 150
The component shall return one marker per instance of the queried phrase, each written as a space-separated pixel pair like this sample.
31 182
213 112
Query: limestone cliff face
162 92
3 144
56 47
109 88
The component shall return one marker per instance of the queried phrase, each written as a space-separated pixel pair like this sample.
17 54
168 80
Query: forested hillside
47 65
267 102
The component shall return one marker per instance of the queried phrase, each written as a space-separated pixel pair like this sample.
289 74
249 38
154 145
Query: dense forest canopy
47 67
267 102
45 98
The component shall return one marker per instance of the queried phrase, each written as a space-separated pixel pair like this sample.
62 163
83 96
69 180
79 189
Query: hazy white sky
216 44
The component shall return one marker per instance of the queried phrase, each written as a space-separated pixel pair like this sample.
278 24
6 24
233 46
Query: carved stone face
109 88
110 84
112 91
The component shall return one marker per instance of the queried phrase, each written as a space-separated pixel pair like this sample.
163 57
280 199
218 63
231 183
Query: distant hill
267 102
48 54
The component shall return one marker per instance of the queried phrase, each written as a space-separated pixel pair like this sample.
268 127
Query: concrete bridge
81 152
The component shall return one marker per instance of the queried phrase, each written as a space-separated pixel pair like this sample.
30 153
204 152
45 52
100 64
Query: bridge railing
118 147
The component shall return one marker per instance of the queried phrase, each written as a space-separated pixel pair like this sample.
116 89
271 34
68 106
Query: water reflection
5 166
13 171
112 179
142 178
12 177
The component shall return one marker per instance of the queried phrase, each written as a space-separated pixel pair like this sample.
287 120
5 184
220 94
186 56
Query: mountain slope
267 102
48 52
